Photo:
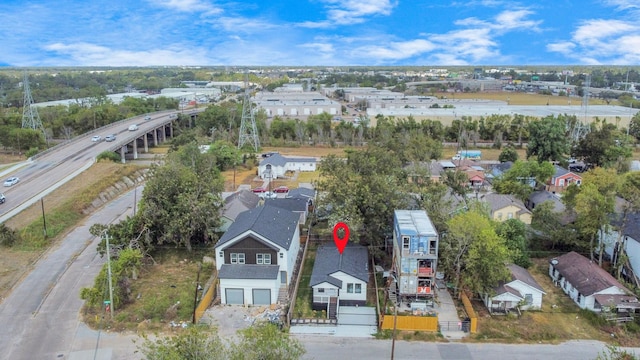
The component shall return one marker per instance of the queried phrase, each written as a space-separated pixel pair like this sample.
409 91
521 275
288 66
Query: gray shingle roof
587 277
301 192
520 273
632 226
279 160
248 271
275 224
291 204
500 201
560 171
238 202
353 261
538 197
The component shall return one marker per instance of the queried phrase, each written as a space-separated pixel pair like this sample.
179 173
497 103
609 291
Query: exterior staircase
333 308
283 295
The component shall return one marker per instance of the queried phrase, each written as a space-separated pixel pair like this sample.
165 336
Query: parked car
2 198
269 154
259 190
11 181
133 127
110 138
96 138
268 195
281 190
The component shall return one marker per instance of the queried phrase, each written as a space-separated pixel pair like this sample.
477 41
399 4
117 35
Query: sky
318 32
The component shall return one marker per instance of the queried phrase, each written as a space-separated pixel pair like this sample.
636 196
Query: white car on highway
133 127
96 138
11 181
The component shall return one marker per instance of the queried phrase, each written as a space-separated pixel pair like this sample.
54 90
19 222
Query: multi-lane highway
46 171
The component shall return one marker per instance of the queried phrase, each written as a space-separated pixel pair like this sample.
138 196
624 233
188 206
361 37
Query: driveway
358 322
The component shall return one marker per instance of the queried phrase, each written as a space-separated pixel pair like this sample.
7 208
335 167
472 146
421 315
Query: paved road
53 168
40 318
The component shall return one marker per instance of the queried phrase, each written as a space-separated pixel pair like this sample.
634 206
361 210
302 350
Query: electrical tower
30 116
582 128
248 128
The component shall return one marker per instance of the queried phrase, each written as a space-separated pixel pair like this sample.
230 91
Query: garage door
234 296
261 297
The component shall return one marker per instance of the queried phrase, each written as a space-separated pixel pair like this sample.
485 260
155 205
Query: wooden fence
473 318
207 298
411 323
294 294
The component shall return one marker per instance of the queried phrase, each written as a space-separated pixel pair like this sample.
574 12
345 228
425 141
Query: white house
589 285
521 291
235 204
627 239
257 255
339 279
276 165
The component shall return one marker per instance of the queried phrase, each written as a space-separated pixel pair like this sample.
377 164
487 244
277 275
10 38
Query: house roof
619 301
433 167
238 202
279 160
504 288
560 171
631 227
354 261
587 277
301 192
538 197
500 201
248 271
274 224
291 204
414 222
521 274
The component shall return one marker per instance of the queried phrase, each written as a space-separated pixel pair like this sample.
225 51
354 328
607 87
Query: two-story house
561 179
415 254
257 255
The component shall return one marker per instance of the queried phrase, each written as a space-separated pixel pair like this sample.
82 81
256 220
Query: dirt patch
312 151
228 319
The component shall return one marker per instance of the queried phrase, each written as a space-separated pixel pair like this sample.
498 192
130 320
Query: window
263 259
281 255
221 254
350 288
528 299
358 288
237 258
320 290
405 242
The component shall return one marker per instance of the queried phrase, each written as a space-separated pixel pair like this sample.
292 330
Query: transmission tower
581 128
248 128
30 117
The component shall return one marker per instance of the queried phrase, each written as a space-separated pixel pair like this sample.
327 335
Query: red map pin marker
341 243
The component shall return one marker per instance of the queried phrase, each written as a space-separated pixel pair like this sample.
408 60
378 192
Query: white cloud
86 54
599 41
623 4
349 12
505 21
396 50
187 5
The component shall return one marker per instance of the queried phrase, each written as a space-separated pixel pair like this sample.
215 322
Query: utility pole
111 304
44 219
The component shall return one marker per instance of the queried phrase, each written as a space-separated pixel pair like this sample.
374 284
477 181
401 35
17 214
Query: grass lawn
163 292
305 295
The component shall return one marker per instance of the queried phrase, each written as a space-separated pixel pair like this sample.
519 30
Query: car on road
259 190
147 117
2 198
96 138
11 181
133 127
110 138
281 190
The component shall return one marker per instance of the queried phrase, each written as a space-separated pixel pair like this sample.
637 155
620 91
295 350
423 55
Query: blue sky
319 32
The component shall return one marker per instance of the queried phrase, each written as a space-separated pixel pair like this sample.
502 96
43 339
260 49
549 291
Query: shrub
108 155
8 236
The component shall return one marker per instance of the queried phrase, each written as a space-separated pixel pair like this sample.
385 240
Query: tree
265 341
193 343
463 232
181 200
514 233
521 178
508 154
549 228
603 147
227 155
485 264
593 210
548 140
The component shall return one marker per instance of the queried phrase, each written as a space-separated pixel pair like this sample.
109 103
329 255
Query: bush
31 152
108 155
593 318
8 236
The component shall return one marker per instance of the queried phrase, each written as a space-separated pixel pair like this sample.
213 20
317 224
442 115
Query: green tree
181 200
604 147
551 230
548 140
226 154
266 341
485 264
193 343
508 154
593 209
522 176
514 233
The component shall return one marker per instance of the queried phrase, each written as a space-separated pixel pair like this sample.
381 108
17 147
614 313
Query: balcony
425 290
425 271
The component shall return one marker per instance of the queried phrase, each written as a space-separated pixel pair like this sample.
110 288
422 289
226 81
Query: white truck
468 154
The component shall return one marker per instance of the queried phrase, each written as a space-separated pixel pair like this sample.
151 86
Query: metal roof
414 222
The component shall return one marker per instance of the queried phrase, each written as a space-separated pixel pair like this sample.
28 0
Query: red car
281 189
259 190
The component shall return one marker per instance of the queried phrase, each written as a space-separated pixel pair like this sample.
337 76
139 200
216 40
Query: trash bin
466 325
